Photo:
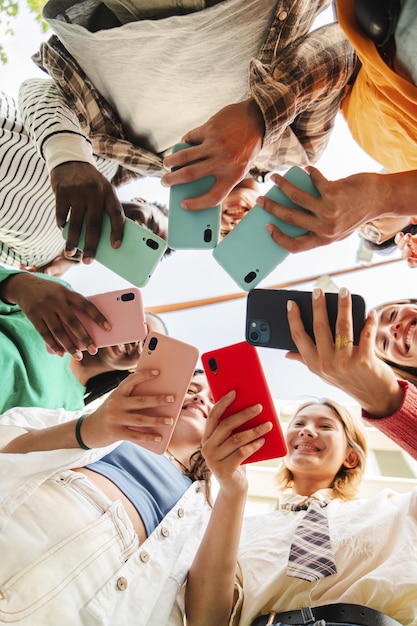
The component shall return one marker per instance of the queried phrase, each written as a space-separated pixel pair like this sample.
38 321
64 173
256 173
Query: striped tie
311 555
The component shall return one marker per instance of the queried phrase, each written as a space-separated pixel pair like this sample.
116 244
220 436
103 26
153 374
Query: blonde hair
347 480
401 371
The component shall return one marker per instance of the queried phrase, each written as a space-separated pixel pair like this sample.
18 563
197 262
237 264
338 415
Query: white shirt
375 548
153 574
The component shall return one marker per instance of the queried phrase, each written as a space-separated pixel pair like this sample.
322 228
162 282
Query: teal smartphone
195 230
138 255
248 253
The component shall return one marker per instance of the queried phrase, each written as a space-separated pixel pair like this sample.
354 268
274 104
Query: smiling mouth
235 211
194 408
409 335
306 447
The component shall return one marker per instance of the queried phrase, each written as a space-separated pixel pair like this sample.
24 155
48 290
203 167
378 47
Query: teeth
303 446
236 210
409 335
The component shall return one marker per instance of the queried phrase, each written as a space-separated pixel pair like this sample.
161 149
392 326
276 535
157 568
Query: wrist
78 436
387 404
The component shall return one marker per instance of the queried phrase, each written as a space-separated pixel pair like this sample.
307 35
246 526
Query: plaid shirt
297 81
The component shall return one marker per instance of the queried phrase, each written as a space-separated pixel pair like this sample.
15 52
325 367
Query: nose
307 431
395 330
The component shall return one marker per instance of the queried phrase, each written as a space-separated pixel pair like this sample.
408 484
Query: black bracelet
78 432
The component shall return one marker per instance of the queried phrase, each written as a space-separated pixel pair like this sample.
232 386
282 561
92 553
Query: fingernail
117 244
169 399
398 237
260 202
275 179
289 305
168 421
163 183
316 293
343 292
157 438
87 260
269 228
256 408
107 326
154 372
372 314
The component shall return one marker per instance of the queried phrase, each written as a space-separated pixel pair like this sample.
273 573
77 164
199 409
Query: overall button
181 513
164 532
144 557
121 583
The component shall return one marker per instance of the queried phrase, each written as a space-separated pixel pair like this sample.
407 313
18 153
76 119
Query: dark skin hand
225 146
49 305
81 188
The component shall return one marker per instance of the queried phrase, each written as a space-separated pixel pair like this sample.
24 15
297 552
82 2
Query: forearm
51 124
61 436
309 70
210 585
401 424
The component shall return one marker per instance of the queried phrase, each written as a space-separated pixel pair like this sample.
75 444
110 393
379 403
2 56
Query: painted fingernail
154 372
169 399
157 438
343 292
269 228
168 421
260 201
289 305
107 325
316 293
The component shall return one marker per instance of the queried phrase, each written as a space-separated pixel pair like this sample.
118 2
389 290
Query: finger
62 208
217 411
117 217
76 220
94 220
131 385
184 157
323 334
317 178
344 321
305 345
295 194
297 244
367 340
294 356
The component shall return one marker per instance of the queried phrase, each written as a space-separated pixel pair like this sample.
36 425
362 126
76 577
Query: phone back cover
239 368
270 306
138 255
196 230
248 253
127 318
176 362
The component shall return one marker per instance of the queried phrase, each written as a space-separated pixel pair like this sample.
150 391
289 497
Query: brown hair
347 480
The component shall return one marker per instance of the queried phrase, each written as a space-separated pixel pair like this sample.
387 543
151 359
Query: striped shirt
28 231
297 80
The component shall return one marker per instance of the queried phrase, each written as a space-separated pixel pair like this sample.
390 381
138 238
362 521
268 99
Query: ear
351 460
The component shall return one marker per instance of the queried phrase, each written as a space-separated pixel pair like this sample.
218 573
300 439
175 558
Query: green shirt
29 375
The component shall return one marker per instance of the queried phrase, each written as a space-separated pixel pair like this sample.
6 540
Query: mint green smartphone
138 255
195 230
248 253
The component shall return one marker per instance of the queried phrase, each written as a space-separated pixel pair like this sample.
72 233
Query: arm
210 586
343 205
77 184
116 419
304 84
49 303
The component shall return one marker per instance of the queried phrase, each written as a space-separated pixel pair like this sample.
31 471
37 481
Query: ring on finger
341 341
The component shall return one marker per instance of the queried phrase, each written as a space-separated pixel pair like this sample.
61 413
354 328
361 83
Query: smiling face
396 338
123 356
317 448
237 204
383 228
197 404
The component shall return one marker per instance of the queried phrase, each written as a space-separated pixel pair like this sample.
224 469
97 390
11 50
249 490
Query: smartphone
176 362
197 230
124 310
238 367
248 253
138 255
267 322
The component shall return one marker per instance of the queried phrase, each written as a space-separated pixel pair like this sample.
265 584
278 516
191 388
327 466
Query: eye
392 315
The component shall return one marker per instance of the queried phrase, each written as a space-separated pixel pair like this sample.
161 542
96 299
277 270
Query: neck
89 366
306 487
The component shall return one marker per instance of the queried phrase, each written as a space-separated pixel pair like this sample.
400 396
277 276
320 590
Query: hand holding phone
192 229
138 255
248 253
176 362
237 367
123 309
267 321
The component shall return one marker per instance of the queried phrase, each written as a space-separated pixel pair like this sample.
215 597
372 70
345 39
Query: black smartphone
267 322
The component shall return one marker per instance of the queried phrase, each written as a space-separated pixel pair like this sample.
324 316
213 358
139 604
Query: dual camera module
260 331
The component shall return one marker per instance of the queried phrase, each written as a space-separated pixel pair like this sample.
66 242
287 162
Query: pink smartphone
124 310
238 367
176 362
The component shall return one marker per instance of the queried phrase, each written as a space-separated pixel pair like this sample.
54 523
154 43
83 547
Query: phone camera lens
254 336
212 364
126 297
263 327
207 235
153 343
151 243
250 277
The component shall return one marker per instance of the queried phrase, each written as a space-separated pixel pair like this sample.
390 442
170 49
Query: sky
194 276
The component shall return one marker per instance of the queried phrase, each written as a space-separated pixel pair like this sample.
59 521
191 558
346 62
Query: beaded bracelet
78 432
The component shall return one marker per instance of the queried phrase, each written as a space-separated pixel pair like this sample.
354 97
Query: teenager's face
384 228
148 215
396 338
317 445
237 204
123 356
195 409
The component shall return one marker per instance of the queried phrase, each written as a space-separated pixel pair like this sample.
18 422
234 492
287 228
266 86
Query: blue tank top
150 481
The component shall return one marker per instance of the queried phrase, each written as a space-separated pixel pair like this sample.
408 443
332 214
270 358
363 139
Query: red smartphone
124 310
238 367
176 362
